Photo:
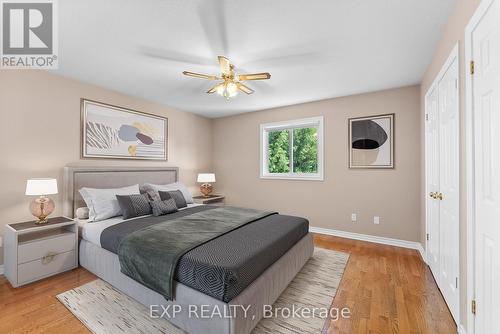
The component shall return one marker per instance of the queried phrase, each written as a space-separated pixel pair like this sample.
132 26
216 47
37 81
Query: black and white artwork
371 142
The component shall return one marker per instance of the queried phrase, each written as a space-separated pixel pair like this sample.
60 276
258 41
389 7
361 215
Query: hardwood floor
387 289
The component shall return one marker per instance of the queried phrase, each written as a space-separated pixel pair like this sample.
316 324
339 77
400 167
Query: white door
449 181
432 180
442 181
486 111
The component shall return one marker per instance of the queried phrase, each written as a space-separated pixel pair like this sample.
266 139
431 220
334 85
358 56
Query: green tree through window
304 151
279 161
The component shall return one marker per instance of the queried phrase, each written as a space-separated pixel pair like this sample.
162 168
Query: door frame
454 56
470 166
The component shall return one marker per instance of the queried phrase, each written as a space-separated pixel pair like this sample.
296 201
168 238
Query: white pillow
102 203
82 213
171 187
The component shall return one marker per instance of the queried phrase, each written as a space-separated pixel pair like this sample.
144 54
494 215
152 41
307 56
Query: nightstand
34 251
212 200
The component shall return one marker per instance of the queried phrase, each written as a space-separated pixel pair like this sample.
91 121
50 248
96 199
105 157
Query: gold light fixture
229 86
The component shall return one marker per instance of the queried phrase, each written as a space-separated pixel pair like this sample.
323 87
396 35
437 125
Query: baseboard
1 269
371 238
422 252
462 330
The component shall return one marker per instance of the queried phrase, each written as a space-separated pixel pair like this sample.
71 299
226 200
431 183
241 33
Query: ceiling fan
231 83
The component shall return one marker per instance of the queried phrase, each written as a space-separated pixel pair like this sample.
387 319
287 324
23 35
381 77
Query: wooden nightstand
212 199
33 251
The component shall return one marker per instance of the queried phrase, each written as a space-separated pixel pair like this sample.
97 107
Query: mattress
225 266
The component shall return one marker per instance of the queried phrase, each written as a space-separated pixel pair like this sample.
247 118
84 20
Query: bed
265 254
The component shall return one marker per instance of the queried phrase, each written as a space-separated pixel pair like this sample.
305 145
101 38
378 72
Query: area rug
105 310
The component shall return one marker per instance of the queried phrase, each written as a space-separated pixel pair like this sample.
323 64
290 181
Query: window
292 149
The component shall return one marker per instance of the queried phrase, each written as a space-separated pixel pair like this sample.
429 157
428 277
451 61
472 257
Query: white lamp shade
41 187
206 177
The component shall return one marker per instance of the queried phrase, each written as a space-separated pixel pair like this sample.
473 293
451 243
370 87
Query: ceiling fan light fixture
221 89
229 87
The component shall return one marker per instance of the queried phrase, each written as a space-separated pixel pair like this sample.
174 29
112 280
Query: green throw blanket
150 255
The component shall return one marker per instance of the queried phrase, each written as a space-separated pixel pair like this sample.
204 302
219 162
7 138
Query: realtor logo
29 38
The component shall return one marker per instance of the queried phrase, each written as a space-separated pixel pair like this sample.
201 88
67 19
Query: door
449 181
442 181
486 113
432 180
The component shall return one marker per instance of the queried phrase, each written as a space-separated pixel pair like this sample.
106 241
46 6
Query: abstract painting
371 141
114 132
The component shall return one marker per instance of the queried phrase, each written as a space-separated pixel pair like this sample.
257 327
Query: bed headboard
109 177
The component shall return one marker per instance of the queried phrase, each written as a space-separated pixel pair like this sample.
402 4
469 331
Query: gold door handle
432 195
439 196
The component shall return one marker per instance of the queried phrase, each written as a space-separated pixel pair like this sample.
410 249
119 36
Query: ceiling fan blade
175 56
213 17
225 66
254 76
245 89
199 75
214 88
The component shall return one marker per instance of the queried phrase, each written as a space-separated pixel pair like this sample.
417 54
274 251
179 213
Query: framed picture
119 133
371 142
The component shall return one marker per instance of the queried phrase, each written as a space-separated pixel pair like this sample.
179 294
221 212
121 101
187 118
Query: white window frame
313 122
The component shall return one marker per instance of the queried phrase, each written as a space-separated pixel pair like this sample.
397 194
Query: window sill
293 177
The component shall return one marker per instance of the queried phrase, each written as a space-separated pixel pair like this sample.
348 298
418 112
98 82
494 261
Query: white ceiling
314 50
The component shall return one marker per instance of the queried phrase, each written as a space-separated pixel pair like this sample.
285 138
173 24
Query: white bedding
91 231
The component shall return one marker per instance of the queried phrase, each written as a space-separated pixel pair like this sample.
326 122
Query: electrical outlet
376 220
354 217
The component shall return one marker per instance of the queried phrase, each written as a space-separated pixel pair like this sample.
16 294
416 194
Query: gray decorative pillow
177 195
134 205
168 187
150 191
161 208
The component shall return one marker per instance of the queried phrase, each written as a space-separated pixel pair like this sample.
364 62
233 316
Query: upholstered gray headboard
109 177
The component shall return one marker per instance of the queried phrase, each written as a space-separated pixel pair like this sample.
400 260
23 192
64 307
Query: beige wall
40 134
391 194
454 32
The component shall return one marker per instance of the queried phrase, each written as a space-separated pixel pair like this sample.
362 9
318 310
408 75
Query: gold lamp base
41 208
206 189
42 220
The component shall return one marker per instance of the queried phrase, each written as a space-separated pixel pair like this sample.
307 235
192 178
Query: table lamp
42 206
206 178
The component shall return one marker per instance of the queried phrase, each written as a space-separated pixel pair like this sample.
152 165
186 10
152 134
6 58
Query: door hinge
472 67
426 117
474 307
456 282
427 236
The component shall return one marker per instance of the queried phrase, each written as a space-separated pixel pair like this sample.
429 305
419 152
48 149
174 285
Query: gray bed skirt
263 291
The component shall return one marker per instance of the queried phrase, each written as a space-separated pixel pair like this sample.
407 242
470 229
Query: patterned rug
105 310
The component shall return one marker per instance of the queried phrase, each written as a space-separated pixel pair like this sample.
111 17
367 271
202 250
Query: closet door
486 111
442 181
448 195
432 180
